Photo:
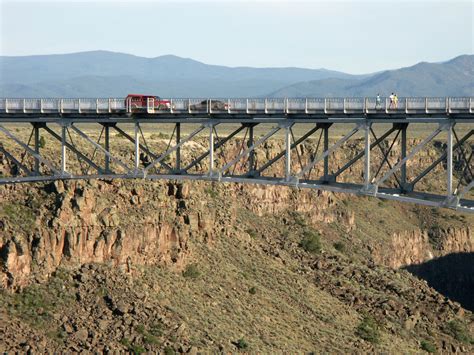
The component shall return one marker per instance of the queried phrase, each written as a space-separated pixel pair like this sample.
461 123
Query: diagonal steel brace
31 151
99 147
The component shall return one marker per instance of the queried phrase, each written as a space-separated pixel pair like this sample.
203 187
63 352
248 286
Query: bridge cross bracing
313 137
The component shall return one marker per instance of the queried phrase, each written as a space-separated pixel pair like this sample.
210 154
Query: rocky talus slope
188 267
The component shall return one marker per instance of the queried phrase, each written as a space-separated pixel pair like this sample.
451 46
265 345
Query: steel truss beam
456 198
99 147
265 166
248 150
326 153
171 150
74 149
32 152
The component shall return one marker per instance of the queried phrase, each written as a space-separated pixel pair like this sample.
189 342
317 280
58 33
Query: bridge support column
367 156
287 153
326 158
137 148
37 148
252 152
178 151
403 168
449 165
63 150
107 148
211 149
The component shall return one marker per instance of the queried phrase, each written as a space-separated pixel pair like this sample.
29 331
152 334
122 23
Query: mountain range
110 74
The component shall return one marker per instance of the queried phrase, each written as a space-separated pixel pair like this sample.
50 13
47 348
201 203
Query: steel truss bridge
386 156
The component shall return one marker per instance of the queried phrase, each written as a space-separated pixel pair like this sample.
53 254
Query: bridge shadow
451 275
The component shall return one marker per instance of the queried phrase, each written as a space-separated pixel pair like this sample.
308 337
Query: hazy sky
352 36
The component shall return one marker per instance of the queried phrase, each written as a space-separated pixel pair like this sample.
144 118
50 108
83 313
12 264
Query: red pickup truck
141 103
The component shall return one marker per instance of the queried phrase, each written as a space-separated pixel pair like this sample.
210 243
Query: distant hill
452 78
109 74
102 73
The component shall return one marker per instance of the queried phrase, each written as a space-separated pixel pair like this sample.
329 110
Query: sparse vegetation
241 344
340 246
191 271
169 351
211 192
427 346
368 330
311 241
252 290
459 331
42 142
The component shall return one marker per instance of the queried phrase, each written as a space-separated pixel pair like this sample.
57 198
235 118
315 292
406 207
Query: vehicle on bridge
209 106
146 103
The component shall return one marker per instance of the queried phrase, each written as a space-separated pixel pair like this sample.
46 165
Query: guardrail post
24 106
266 110
470 105
61 105
6 105
210 105
426 105
97 105
171 106
406 105
448 108
247 106
79 105
41 106
306 106
228 106
110 105
344 105
189 105
366 106
325 105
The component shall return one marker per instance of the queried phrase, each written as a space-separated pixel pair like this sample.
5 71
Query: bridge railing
337 105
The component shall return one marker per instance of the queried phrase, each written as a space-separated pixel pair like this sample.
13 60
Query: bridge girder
455 157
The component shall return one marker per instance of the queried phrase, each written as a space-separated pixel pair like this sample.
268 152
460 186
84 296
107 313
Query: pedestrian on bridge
395 101
392 100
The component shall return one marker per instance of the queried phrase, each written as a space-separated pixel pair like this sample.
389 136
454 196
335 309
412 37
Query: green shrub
169 351
368 330
42 142
191 271
251 232
311 242
427 346
459 331
252 290
241 344
211 192
340 246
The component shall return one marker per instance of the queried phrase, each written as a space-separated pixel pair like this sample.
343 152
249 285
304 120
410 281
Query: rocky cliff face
124 222
417 246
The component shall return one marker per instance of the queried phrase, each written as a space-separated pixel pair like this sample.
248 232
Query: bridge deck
97 109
